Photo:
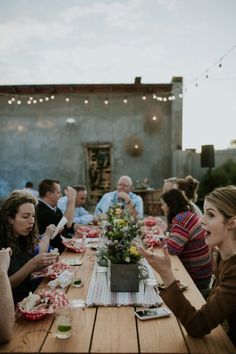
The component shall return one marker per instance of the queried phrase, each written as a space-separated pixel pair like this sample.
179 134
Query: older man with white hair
123 195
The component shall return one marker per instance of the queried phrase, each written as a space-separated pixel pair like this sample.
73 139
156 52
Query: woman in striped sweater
186 237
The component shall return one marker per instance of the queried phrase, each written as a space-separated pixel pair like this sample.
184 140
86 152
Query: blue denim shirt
81 216
111 198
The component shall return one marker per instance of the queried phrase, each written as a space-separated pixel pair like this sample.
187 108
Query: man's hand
70 193
124 196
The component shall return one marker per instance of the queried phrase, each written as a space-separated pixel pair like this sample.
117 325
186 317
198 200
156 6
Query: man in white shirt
81 216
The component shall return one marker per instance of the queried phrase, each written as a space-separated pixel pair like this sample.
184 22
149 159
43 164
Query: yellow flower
118 211
120 222
133 250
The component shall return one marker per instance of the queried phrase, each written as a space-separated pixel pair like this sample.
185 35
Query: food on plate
55 251
74 244
30 301
44 302
52 270
84 231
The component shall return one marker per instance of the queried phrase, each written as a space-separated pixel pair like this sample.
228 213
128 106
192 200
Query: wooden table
116 329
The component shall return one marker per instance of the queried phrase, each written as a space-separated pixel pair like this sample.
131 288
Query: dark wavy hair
189 186
176 202
9 210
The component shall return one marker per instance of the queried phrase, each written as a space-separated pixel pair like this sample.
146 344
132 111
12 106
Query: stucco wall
37 143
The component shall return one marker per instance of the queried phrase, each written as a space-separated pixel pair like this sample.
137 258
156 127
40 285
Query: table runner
99 293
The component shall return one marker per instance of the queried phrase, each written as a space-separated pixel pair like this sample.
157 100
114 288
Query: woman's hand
43 260
160 262
5 254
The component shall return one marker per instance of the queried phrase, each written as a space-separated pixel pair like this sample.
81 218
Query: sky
113 41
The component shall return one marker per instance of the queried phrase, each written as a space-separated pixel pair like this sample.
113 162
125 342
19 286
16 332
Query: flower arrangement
120 230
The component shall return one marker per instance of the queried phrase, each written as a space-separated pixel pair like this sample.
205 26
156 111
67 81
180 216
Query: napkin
60 225
63 280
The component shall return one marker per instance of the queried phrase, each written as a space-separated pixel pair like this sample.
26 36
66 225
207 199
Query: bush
223 175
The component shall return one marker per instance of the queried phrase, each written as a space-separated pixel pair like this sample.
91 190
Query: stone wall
37 141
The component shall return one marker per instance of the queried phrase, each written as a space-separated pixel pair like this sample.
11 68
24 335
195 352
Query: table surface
116 329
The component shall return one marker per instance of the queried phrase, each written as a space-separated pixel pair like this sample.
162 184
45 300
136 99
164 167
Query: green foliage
221 176
120 231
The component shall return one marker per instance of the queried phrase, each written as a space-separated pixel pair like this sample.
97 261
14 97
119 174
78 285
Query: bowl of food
46 301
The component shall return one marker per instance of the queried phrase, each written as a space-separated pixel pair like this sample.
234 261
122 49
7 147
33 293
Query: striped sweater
187 240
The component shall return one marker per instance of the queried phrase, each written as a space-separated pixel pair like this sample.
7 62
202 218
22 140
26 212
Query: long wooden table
116 329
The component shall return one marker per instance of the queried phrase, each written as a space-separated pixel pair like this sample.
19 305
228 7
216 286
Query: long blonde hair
224 199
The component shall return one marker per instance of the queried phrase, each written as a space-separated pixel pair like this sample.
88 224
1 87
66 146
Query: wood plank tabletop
217 342
115 329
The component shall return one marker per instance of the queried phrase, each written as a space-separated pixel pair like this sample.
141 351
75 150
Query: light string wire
161 96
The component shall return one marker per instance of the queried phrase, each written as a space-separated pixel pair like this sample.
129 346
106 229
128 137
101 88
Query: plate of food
52 271
89 232
74 244
44 302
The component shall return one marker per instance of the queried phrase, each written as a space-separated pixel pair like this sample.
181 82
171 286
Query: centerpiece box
119 252
124 277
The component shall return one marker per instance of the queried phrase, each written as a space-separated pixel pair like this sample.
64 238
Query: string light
162 97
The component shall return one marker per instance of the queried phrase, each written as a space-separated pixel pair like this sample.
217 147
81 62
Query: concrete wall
189 162
37 143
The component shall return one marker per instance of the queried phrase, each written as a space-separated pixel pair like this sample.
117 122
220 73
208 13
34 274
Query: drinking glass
63 323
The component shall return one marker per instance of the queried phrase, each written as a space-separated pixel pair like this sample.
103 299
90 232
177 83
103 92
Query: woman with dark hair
219 224
18 230
186 237
189 187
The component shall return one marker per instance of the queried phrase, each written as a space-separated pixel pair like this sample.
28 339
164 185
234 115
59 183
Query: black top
46 216
19 258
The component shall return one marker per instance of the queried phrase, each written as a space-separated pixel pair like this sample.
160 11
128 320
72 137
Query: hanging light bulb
154 118
19 102
164 99
67 99
13 99
40 100
125 100
180 95
144 97
47 98
136 146
52 97
106 101
34 101
9 101
86 101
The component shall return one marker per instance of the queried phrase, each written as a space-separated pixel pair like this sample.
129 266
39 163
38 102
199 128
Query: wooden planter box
124 278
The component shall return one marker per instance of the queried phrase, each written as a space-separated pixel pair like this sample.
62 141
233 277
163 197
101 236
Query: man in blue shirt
124 196
81 216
